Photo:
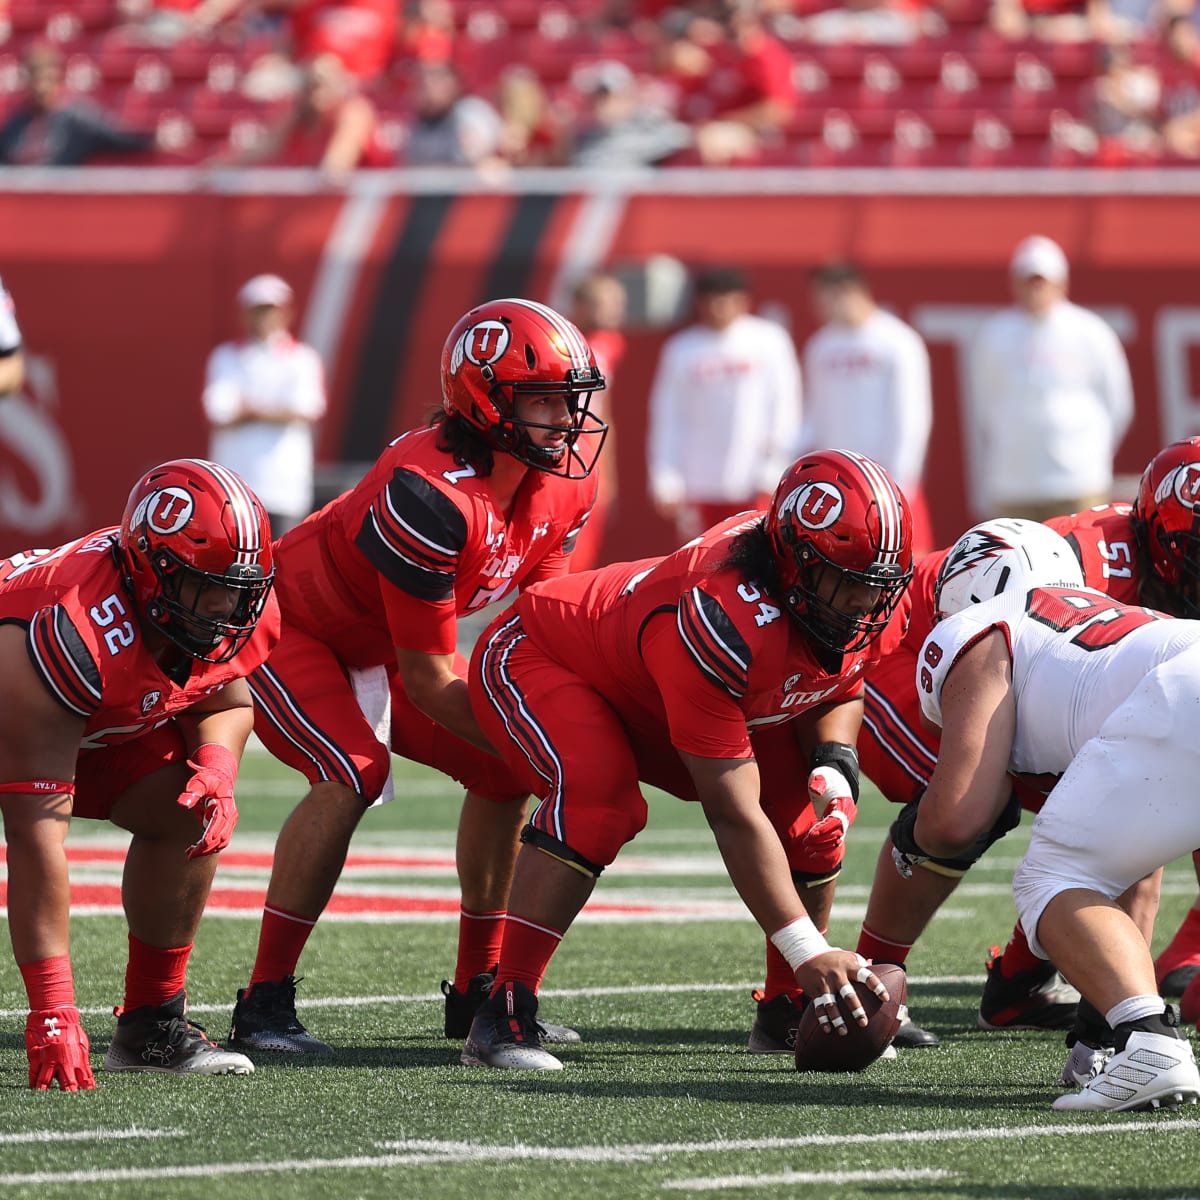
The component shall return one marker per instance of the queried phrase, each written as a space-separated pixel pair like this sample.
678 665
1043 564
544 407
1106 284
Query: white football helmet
1003 555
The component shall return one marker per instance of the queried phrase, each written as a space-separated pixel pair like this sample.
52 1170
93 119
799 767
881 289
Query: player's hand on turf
209 794
828 979
57 1047
833 804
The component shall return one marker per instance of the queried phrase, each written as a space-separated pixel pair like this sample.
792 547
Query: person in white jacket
724 408
866 385
1048 400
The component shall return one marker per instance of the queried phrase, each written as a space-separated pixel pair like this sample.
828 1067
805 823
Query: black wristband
842 756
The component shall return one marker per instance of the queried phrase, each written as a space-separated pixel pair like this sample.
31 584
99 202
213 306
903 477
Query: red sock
781 979
526 953
479 938
1017 955
880 949
49 983
154 975
280 943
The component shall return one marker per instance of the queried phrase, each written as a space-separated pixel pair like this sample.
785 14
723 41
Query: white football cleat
1152 1071
1083 1064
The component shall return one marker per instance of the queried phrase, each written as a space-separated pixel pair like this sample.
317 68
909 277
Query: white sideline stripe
87 1135
718 1183
639 989
419 1152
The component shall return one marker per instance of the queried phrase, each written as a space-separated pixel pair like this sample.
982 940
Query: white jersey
724 412
866 387
1077 656
283 380
10 335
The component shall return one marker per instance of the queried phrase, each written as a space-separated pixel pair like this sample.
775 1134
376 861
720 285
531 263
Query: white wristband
798 941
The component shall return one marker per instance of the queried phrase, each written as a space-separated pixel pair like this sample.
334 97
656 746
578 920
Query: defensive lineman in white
1064 680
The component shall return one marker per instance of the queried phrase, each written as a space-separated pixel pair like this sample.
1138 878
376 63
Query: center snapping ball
818 1050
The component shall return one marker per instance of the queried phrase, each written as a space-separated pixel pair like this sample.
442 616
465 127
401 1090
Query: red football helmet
1166 516
191 526
506 349
838 524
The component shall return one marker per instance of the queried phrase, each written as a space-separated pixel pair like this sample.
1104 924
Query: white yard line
720 1183
421 1152
55 1136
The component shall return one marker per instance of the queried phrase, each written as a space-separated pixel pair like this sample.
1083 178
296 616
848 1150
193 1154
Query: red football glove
209 794
58 1050
833 803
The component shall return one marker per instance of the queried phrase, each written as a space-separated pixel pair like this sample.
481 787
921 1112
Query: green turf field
661 1099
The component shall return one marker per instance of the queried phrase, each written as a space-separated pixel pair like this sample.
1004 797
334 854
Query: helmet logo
1184 482
817 505
481 344
167 510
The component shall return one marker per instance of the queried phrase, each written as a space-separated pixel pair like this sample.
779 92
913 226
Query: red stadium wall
121 294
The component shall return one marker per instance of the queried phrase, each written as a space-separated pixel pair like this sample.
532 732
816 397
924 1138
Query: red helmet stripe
577 347
887 503
241 504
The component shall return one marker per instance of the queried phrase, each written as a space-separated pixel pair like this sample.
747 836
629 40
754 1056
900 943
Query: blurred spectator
50 127
878 22
263 397
866 386
598 304
451 127
1179 69
164 22
1125 103
1052 20
329 124
362 33
12 353
1048 397
529 135
615 128
724 408
427 34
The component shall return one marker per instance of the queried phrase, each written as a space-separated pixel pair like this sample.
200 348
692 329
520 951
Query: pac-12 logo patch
150 700
481 344
817 505
166 511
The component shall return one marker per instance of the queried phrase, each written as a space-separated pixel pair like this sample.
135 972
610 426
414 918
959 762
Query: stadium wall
124 281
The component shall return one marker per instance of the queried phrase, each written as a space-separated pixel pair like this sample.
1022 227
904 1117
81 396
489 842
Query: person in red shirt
451 518
730 673
1144 554
123 655
598 308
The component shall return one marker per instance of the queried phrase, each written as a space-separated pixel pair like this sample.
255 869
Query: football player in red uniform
729 672
1144 554
123 655
451 518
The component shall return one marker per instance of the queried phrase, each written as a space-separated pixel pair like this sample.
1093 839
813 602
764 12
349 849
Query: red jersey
1103 541
685 649
419 542
89 649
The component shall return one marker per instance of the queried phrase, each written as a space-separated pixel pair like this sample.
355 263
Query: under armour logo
52 1029
540 530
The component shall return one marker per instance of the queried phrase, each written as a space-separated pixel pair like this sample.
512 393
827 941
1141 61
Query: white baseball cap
265 290
1041 257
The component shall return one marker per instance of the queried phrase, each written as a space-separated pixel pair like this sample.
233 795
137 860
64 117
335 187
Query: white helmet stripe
887 501
575 342
241 505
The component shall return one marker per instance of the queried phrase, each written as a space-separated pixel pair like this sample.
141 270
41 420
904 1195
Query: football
817 1050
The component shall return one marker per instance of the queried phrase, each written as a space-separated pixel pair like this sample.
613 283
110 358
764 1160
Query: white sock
1133 1009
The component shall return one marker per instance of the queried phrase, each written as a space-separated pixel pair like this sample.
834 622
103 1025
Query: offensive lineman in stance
122 655
729 672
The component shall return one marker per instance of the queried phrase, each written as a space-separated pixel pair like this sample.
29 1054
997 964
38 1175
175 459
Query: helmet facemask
177 609
574 458
818 595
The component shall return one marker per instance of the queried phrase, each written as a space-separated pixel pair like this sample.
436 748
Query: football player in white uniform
1027 670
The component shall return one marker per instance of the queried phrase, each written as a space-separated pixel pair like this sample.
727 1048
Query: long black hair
468 446
751 555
